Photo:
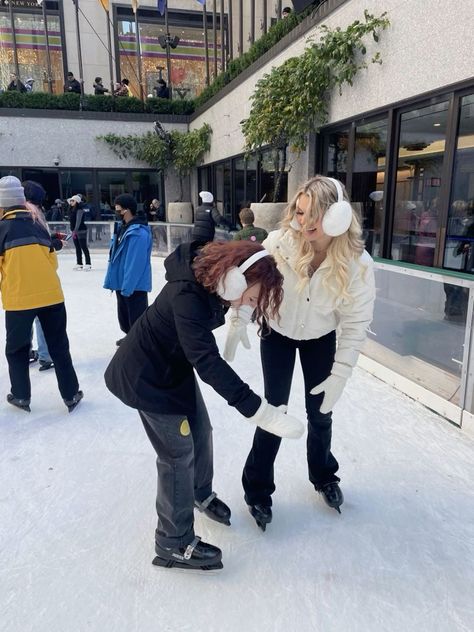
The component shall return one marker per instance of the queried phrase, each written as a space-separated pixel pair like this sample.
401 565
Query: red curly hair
217 257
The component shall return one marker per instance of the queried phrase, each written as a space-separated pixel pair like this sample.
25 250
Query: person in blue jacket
129 270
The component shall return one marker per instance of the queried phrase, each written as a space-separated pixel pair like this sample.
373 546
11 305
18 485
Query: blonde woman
328 283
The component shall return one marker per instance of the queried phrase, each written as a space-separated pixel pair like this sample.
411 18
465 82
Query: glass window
335 155
270 163
368 180
223 189
420 163
147 185
188 62
80 182
31 48
49 179
111 184
459 250
251 181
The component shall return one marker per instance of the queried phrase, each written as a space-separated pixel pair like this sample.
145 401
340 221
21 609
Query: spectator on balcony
29 84
72 84
98 87
286 12
162 90
16 84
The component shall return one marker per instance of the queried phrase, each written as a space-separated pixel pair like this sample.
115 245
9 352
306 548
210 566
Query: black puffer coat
152 369
205 220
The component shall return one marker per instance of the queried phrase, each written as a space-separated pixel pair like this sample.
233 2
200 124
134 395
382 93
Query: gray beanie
11 192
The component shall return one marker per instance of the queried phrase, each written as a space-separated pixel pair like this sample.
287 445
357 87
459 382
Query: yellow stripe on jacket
29 278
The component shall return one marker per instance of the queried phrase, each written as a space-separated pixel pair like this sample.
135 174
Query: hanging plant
161 150
292 100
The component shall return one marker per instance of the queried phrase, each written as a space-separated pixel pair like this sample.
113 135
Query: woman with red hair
153 372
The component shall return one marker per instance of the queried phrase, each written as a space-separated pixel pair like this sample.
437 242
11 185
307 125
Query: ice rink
77 512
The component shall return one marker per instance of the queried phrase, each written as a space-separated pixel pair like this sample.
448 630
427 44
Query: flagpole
222 37
230 26
79 52
48 54
15 50
111 65
214 35
206 42
168 53
139 55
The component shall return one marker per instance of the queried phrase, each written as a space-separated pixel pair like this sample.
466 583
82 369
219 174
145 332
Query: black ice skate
262 515
33 357
45 365
332 495
24 404
214 509
73 403
196 556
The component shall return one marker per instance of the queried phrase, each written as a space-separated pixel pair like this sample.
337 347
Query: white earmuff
338 216
233 284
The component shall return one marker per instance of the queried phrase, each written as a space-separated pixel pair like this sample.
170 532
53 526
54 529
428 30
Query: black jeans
80 243
53 321
278 355
129 308
183 444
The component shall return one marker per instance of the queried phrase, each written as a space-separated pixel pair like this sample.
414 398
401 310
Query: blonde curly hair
342 249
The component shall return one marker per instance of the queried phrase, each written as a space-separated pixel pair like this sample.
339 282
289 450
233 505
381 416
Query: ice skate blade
159 561
261 521
212 516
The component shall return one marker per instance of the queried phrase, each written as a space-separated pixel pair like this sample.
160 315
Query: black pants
183 444
80 243
18 326
278 355
129 308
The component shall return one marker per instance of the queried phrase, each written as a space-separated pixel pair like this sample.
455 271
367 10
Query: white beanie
11 192
76 198
206 197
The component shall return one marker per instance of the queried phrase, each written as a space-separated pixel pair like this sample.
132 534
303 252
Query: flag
161 6
105 4
135 4
203 2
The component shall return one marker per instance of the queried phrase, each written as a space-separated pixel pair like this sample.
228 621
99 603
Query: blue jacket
129 267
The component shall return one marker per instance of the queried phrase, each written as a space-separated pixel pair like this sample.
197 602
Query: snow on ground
77 510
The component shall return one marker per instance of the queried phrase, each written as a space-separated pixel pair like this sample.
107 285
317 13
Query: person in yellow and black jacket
30 287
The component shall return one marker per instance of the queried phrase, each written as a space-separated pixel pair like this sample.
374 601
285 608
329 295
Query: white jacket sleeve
356 315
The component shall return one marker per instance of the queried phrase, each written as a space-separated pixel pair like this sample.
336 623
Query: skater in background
129 269
328 283
249 231
30 287
153 372
206 218
78 227
35 196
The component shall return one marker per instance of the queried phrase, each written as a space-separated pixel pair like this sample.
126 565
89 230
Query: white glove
237 331
332 386
275 420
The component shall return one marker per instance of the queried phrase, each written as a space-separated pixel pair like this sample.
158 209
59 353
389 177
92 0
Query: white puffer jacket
315 311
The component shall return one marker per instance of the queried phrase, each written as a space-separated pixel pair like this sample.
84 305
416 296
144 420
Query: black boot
332 495
72 403
214 509
197 555
262 515
24 404
45 365
33 356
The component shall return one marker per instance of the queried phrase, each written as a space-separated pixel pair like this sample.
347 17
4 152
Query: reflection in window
79 182
459 250
270 171
111 184
419 168
31 49
335 155
147 185
188 62
368 180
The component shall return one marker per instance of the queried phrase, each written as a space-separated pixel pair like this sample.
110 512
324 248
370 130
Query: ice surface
77 510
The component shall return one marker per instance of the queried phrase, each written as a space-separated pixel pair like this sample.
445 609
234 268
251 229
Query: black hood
178 263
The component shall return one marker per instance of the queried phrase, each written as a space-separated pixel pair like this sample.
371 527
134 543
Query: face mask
118 214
